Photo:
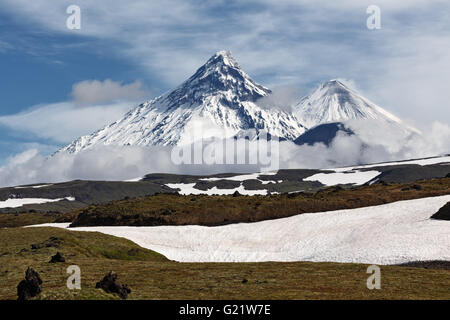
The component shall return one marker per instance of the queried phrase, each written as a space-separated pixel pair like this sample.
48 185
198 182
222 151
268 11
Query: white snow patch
387 234
134 180
251 176
243 177
15 203
355 177
34 187
188 188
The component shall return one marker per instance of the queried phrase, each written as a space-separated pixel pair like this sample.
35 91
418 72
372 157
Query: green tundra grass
152 276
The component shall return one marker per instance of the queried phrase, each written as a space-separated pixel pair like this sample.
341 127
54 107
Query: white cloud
63 122
402 67
90 92
282 98
122 163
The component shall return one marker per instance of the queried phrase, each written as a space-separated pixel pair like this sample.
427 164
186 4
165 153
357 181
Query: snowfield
188 188
34 187
243 177
15 203
351 175
387 234
332 179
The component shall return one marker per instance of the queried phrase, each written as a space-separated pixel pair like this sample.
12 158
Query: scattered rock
53 242
244 281
406 189
31 286
443 213
236 194
110 284
448 175
417 187
57 258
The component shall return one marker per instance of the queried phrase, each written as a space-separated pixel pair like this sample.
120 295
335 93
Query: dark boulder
110 284
31 286
443 213
236 194
57 258
52 242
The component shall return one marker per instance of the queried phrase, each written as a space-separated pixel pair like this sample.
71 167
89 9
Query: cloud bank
403 67
122 163
282 98
63 122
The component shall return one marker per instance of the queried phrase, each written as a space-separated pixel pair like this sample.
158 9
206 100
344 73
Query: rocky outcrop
58 257
31 286
443 213
110 284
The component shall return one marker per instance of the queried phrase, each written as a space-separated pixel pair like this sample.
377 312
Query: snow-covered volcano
217 101
220 100
333 101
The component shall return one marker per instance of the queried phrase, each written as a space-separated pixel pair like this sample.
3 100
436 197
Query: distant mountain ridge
220 100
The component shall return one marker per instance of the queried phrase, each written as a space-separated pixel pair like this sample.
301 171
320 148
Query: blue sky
134 50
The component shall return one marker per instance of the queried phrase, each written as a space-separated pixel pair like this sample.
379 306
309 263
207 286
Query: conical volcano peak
335 84
334 101
222 73
221 63
220 98
223 57
338 89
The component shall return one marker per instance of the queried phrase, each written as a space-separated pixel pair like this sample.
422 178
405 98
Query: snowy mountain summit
333 101
218 100
221 101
